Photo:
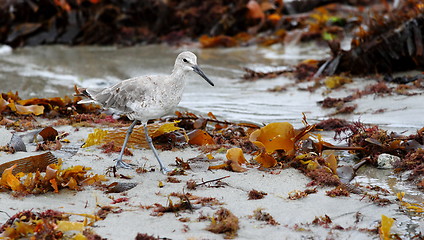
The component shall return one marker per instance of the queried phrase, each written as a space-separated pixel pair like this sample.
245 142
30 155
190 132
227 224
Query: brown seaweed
30 164
390 45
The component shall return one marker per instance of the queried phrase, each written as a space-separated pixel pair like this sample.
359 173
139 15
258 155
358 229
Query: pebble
386 161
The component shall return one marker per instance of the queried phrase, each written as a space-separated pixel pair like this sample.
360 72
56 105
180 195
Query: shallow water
49 71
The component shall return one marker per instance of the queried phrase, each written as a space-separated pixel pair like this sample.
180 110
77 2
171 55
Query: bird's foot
165 170
122 164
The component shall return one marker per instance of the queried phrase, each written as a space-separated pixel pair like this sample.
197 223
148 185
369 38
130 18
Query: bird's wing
122 95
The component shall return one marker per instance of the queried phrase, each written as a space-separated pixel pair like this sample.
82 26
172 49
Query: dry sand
294 216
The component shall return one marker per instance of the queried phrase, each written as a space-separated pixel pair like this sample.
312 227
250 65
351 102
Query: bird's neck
178 75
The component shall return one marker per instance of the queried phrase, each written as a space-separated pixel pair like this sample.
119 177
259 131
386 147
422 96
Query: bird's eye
185 60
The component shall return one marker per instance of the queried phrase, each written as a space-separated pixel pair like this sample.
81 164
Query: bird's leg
119 162
163 169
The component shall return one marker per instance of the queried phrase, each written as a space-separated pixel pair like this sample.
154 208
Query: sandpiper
146 97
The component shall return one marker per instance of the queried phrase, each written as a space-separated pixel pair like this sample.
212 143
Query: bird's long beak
199 71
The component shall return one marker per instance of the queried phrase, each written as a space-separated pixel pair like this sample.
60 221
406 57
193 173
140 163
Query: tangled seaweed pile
276 144
49 224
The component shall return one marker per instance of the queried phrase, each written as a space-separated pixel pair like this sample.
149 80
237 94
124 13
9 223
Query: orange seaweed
236 155
200 137
26 110
274 136
266 160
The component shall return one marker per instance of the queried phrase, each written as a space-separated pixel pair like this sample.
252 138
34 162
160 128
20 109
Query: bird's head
188 61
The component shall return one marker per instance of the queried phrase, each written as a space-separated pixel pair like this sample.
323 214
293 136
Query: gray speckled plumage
146 97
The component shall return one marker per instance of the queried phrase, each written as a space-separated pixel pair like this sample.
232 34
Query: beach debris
255 194
54 179
225 222
331 124
392 41
296 194
25 110
338 191
235 159
183 204
17 144
236 155
200 137
345 110
30 164
402 79
372 139
173 180
145 236
332 163
261 215
120 200
414 208
192 184
347 172
276 145
49 146
199 164
307 70
375 198
137 138
187 201
229 165
185 165
50 224
321 176
375 141
65 109
95 138
339 104
386 161
414 161
333 82
119 187
111 147
106 209
252 75
330 102
177 171
322 221
323 170
381 89
48 134
224 134
272 137
386 225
